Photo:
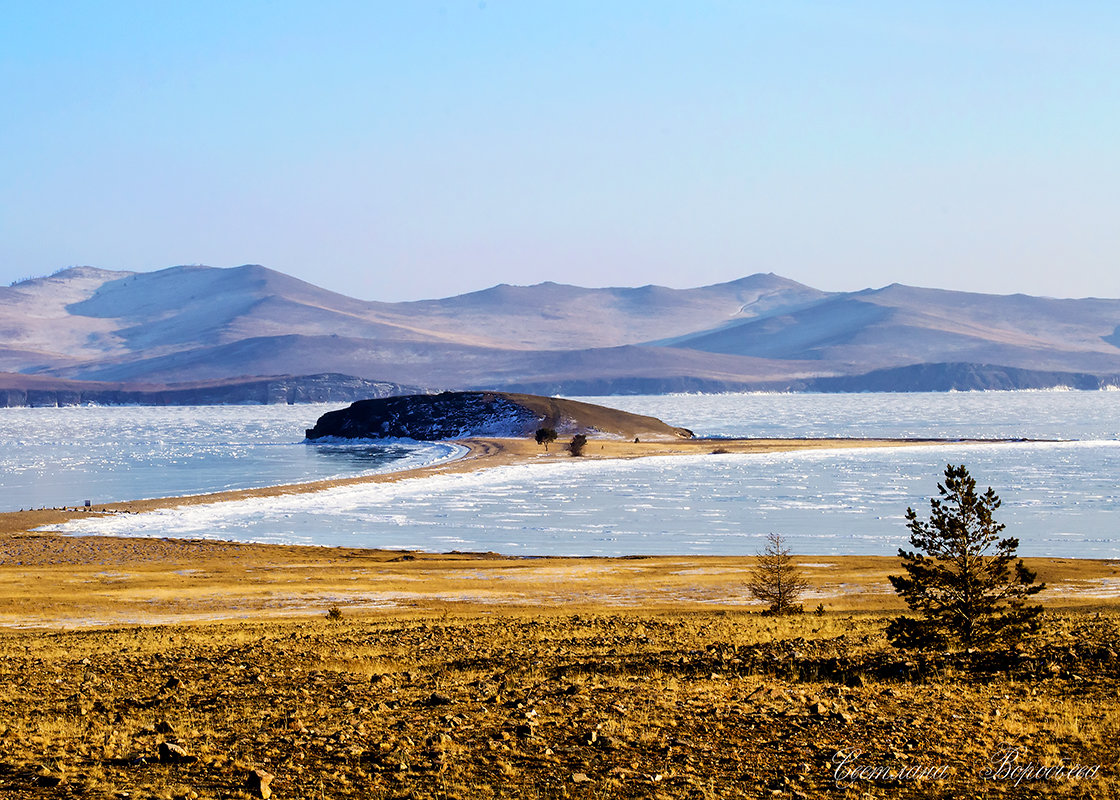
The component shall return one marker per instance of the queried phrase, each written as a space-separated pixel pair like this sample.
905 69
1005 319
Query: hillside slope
194 323
903 325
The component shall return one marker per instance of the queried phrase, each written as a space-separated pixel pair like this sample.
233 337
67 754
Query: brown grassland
531 703
176 669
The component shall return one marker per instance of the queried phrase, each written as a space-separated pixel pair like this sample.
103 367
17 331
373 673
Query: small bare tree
775 579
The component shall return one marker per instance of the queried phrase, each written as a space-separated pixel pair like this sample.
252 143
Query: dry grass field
72 582
552 704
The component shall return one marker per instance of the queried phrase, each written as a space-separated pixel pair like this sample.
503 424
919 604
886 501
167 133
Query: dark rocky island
459 415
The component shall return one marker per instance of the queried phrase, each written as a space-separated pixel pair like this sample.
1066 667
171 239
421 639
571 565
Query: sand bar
481 454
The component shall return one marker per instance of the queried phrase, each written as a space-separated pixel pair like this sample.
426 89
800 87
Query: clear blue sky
398 150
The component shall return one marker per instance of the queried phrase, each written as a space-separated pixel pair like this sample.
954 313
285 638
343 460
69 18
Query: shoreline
52 581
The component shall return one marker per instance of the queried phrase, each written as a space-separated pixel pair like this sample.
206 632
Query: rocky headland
460 415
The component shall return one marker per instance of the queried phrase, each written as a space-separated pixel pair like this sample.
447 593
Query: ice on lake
1059 498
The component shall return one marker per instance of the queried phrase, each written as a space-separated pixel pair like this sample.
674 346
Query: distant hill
37 391
902 325
202 324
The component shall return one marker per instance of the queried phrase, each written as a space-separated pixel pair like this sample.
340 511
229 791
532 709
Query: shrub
545 436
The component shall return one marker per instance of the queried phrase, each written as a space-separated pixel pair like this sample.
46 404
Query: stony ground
700 705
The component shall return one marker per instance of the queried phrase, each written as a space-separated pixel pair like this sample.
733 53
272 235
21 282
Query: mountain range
85 330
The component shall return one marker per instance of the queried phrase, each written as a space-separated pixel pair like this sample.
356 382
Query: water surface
1059 498
63 456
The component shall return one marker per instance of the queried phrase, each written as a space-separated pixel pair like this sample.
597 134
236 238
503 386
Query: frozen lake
1060 498
62 456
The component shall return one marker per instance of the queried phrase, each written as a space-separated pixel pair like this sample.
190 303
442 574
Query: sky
403 150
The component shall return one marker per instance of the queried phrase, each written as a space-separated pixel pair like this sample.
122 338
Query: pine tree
962 593
775 579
